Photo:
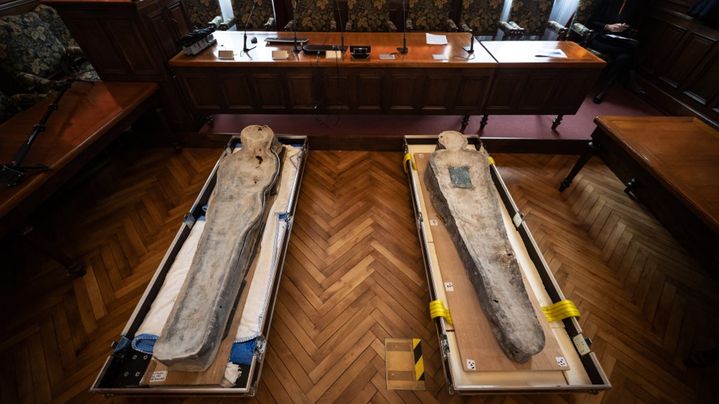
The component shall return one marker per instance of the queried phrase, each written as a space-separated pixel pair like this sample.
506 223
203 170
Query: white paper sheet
551 53
433 39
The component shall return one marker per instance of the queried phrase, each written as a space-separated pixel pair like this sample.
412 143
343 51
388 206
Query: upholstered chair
581 17
531 15
313 15
368 15
202 12
263 16
430 15
481 17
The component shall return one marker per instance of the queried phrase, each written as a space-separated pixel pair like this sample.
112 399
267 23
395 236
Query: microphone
470 49
403 50
296 48
342 28
247 23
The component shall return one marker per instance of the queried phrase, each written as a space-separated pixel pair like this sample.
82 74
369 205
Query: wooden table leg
557 121
591 147
483 122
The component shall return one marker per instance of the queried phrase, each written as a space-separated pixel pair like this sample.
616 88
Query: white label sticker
581 344
471 364
517 219
449 286
158 376
433 222
561 361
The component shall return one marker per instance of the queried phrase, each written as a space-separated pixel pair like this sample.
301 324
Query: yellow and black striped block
404 364
418 359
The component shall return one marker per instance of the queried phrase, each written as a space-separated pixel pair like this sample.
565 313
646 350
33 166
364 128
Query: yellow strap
560 310
408 157
438 309
491 160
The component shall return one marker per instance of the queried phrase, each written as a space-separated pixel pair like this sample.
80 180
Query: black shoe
597 99
633 85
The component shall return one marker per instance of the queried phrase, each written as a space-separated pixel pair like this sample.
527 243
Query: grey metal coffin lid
191 337
461 191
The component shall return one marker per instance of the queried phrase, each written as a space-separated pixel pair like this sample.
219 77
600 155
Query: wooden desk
414 83
89 117
527 84
670 164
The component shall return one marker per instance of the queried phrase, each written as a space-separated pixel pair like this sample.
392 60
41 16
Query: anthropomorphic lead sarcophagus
462 192
235 215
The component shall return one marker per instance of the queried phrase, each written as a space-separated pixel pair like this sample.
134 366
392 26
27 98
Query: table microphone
403 50
342 28
297 48
470 49
247 23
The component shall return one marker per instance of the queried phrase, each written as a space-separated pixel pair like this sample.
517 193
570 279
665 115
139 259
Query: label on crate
158 376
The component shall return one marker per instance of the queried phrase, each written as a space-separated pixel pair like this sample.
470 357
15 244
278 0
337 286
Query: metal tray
449 352
125 367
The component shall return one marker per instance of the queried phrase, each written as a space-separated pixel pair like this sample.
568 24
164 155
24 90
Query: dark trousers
623 55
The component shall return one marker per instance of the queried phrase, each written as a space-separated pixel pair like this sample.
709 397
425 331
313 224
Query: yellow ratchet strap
560 310
408 157
438 309
491 160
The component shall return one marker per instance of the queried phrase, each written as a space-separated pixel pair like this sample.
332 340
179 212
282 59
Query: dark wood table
671 165
89 117
499 77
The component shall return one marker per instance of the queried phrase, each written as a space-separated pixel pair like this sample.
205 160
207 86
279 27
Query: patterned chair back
29 46
260 15
200 12
368 15
314 15
532 15
584 10
481 16
429 15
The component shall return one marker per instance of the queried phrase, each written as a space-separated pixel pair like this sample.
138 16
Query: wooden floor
353 276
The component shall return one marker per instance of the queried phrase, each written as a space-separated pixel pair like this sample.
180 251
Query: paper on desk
440 57
433 39
551 53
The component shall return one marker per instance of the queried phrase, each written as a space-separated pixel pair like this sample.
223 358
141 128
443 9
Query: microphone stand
14 172
403 50
247 23
342 29
296 48
470 49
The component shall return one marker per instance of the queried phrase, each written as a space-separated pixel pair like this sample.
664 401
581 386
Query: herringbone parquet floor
352 277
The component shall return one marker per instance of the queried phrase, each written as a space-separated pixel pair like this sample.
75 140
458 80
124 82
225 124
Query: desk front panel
336 90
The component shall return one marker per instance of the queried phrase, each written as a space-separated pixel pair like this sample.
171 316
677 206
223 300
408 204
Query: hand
617 27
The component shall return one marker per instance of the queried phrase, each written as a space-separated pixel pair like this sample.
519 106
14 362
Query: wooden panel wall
680 62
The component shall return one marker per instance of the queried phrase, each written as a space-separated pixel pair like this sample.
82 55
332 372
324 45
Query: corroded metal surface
462 192
192 334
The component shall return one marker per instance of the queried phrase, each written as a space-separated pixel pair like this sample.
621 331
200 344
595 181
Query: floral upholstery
584 11
201 12
313 16
368 15
261 15
430 15
532 15
50 17
34 56
27 45
481 16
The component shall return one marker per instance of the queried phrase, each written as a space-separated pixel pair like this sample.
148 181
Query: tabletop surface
420 54
70 129
537 53
682 152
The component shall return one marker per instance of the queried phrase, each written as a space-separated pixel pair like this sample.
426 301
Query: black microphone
342 28
296 47
470 49
403 50
247 23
